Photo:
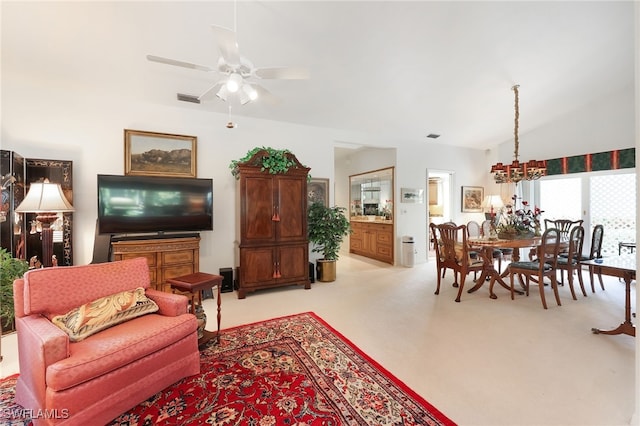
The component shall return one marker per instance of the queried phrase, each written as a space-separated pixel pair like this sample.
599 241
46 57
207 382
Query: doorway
440 202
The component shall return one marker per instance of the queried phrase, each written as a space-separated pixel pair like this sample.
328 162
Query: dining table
487 245
624 267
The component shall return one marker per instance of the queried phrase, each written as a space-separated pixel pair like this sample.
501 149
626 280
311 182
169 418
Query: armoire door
292 208
258 210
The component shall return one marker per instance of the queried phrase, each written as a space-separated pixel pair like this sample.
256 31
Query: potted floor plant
10 269
327 228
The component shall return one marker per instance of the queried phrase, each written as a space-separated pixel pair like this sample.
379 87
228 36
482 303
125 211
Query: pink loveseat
96 379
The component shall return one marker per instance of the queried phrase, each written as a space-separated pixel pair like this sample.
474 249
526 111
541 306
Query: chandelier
517 171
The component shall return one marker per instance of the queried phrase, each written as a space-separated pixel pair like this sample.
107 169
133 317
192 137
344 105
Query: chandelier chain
517 171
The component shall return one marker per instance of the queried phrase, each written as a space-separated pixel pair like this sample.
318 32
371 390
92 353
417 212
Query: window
613 204
597 198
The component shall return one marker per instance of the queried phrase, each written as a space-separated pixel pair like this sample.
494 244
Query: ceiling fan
239 76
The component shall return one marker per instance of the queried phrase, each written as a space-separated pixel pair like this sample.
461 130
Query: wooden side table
192 285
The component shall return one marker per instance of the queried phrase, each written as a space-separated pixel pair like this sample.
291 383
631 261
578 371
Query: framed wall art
159 154
411 195
318 191
472 197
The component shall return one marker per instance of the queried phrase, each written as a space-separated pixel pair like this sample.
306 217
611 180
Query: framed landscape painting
411 195
472 197
159 154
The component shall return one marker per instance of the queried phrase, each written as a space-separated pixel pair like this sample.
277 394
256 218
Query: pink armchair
96 379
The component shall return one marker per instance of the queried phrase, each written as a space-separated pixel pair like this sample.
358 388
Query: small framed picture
159 154
472 197
318 191
411 195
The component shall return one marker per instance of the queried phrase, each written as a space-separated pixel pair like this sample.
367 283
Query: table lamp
46 199
493 203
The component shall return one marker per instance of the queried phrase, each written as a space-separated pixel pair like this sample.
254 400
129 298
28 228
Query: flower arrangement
518 221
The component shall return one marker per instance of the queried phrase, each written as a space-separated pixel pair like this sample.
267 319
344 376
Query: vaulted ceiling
396 71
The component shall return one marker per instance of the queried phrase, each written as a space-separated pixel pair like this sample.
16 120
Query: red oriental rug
294 370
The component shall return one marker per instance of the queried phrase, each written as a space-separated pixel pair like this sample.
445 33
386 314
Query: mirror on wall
371 194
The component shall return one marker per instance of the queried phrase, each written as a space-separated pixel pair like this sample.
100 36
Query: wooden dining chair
474 231
543 267
454 254
595 251
444 270
570 262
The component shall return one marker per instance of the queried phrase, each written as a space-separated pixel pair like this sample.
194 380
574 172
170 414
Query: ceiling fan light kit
234 82
247 94
518 171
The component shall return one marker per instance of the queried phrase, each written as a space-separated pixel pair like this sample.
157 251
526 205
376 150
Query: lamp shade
44 197
492 202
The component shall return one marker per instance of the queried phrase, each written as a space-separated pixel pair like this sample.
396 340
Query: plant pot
326 270
515 235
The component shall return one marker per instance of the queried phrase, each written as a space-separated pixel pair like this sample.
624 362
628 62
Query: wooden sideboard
372 239
167 257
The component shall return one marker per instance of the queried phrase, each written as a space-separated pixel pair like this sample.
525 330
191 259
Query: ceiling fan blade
282 73
228 45
177 63
210 92
266 96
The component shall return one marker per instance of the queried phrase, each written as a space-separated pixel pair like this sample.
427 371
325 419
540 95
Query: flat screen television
150 204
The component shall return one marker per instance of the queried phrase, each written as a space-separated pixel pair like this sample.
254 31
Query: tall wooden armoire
274 247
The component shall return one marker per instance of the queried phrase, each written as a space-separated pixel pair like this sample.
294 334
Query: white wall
88 130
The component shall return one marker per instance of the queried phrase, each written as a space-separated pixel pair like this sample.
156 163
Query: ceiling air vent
188 98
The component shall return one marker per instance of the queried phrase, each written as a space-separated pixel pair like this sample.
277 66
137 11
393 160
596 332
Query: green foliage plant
275 161
327 227
10 269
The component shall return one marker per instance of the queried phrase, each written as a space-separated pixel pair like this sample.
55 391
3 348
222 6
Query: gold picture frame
472 197
318 191
159 154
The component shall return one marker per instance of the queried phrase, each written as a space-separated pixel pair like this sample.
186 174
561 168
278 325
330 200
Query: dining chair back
570 262
473 229
564 226
595 252
454 253
545 266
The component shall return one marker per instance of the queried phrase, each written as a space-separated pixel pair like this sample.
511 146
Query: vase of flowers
519 222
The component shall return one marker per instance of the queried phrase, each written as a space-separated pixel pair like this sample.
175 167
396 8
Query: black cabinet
12 228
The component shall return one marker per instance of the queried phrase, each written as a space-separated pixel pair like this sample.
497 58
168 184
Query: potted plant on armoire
327 228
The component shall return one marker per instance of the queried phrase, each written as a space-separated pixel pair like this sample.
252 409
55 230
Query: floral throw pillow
95 316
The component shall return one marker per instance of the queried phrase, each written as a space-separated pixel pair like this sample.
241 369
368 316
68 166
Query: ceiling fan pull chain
235 16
